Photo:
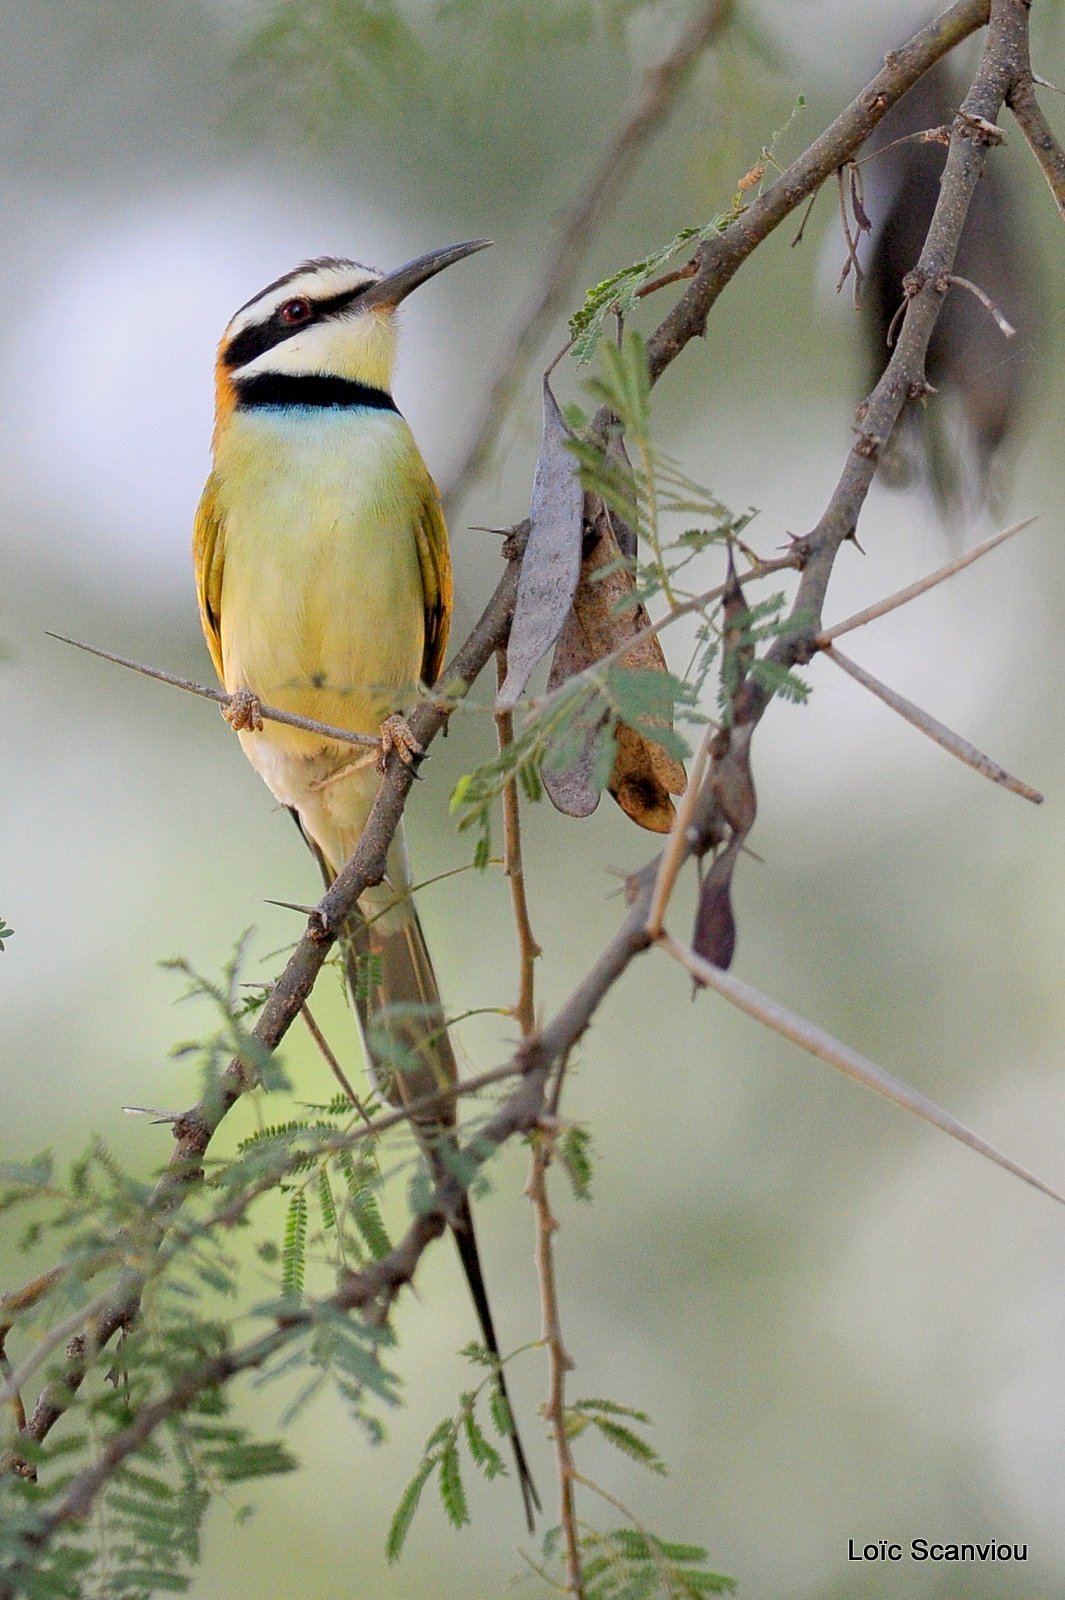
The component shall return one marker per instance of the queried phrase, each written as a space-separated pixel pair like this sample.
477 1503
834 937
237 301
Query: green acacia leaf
452 1490
404 1513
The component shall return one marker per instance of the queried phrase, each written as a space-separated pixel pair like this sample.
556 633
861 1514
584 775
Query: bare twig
938 135
271 713
677 845
818 1043
852 262
57 1335
1041 141
524 1010
22 1299
952 742
329 1056
662 87
901 597
559 1360
1005 327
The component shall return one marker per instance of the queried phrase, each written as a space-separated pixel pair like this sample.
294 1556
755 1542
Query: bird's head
325 318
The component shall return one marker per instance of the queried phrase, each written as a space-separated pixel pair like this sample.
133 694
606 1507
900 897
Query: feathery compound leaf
500 1412
552 561
452 1491
368 976
247 1459
629 1443
612 1408
574 1151
351 1350
622 289
485 1455
325 1201
367 1216
627 1564
624 383
294 1247
408 1505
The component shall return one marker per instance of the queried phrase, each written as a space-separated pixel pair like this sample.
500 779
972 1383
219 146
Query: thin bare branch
56 1335
1041 140
818 1043
677 845
558 1358
271 713
524 1010
902 597
952 742
1005 327
329 1056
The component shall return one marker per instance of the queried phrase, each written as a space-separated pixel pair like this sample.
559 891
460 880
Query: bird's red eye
293 312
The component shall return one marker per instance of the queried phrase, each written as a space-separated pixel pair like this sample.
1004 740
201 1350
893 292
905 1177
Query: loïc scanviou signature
930 1550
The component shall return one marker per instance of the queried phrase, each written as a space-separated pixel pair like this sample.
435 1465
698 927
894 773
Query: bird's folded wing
208 554
434 560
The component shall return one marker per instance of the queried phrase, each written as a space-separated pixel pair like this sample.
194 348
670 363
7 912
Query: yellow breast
322 608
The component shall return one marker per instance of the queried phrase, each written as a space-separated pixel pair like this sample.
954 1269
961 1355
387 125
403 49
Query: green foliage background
841 1327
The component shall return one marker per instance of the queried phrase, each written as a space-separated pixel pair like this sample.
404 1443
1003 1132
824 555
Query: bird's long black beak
396 286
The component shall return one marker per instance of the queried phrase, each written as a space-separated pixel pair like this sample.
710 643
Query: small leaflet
552 561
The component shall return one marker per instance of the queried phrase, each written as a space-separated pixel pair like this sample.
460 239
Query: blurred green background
844 1326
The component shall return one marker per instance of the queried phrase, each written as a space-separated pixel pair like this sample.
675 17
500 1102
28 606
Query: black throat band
314 391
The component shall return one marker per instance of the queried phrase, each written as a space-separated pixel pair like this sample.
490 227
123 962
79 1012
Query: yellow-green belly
322 610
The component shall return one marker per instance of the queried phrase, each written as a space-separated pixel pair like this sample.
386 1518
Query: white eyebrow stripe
316 283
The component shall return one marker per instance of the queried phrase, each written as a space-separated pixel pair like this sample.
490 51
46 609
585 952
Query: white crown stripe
312 283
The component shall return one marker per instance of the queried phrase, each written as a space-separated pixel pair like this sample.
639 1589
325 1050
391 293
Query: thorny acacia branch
1002 69
930 581
559 1361
1021 100
720 258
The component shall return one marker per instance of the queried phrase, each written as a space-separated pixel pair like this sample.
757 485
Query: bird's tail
395 997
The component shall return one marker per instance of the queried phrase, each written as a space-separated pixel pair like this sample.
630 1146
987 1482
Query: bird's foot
243 710
396 735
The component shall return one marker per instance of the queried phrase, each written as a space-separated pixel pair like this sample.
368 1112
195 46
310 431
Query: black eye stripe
262 336
336 303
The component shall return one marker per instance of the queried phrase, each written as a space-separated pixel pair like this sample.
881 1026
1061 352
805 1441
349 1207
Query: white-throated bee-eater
324 585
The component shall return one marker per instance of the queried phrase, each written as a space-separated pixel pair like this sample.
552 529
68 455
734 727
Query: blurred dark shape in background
957 439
